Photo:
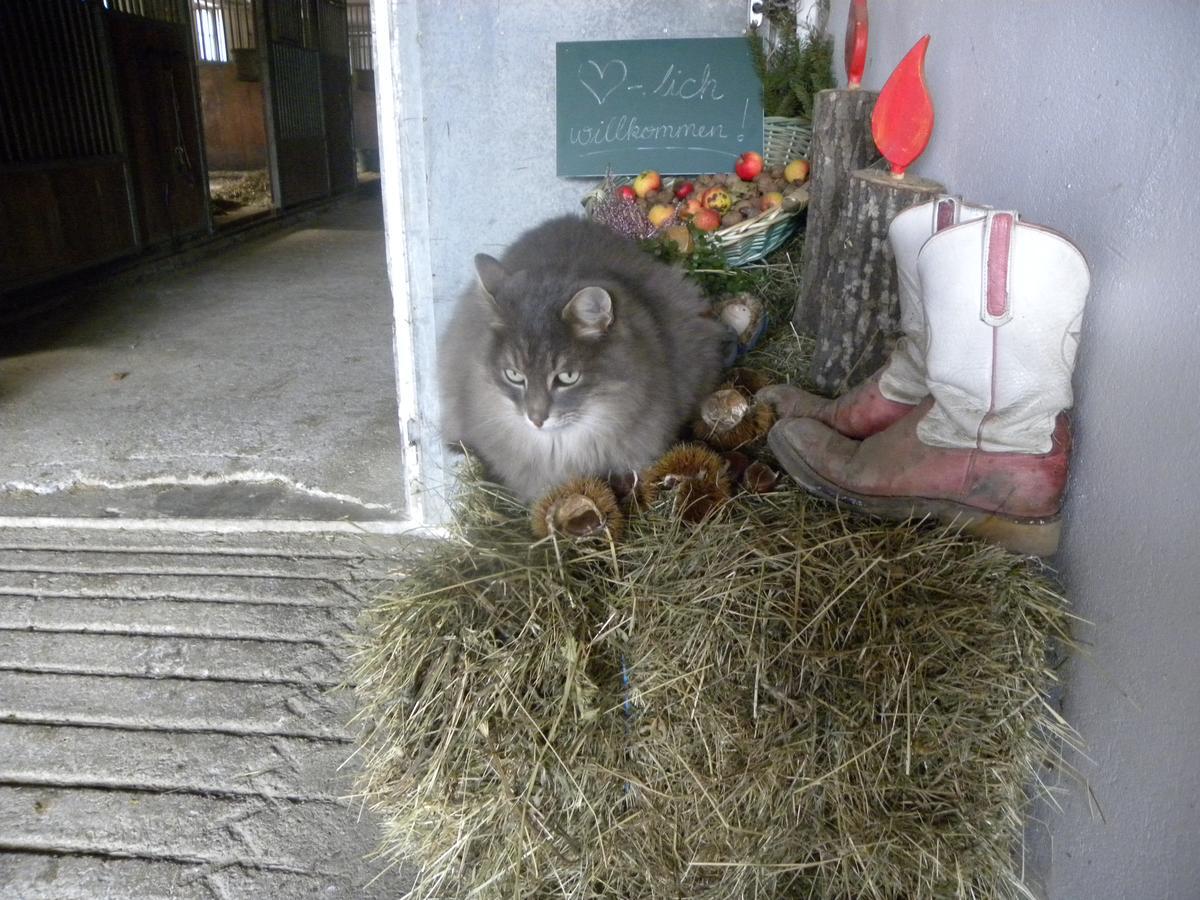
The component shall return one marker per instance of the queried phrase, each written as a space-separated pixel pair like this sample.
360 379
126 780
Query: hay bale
780 702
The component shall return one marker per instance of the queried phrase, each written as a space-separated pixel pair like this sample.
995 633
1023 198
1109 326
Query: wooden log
841 143
859 301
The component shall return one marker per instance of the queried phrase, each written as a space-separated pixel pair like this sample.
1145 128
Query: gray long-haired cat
576 354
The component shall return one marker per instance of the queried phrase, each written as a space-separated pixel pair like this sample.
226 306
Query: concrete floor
174 718
256 383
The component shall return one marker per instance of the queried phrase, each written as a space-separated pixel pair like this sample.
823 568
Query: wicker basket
784 139
751 240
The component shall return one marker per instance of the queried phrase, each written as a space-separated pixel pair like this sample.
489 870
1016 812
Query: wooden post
858 298
841 143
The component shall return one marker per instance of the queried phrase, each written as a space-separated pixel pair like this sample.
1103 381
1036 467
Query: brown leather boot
989 448
858 413
1010 499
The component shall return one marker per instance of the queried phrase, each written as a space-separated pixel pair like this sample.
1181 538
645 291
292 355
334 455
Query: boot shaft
903 378
1003 302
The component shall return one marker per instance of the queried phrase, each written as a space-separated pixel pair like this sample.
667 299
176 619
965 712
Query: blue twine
627 706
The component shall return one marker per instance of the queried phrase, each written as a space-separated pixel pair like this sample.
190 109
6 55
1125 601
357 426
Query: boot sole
1027 536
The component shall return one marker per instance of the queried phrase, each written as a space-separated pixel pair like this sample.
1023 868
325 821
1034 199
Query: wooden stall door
296 115
152 57
64 173
336 93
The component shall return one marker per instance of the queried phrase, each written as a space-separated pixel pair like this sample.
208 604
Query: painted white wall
1084 116
466 114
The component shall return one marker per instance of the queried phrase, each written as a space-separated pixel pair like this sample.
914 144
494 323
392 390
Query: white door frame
401 121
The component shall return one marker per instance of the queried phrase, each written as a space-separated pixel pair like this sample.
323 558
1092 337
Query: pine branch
794 70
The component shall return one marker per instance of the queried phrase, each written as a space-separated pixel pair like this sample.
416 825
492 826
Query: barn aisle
257 383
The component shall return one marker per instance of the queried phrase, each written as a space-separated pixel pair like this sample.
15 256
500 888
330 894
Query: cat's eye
514 377
566 378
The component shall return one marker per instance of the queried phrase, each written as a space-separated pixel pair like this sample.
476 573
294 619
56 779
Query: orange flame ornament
903 117
856 43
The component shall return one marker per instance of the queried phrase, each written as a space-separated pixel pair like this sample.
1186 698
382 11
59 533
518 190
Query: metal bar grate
160 10
297 90
53 99
293 22
334 40
362 53
223 26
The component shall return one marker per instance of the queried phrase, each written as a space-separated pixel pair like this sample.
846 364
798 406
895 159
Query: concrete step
174 704
54 876
170 718
352 556
174 585
109 562
272 834
262 621
193 657
170 762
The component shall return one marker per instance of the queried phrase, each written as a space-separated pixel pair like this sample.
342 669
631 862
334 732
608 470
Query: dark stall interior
139 127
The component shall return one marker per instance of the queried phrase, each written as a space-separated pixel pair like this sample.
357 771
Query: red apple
626 193
693 206
748 165
684 189
646 182
706 219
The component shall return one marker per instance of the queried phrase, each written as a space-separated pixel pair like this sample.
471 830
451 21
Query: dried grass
784 353
242 189
781 702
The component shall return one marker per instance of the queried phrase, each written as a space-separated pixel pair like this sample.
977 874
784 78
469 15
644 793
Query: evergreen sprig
793 70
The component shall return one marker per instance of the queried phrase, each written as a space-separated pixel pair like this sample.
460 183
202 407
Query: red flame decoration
903 117
856 42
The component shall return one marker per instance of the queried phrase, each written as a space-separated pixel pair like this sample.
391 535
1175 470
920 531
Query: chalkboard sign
676 106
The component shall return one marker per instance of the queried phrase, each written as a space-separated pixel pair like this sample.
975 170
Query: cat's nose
537 420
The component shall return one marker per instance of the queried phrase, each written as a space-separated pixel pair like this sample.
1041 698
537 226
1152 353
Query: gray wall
1082 115
1085 117
487 73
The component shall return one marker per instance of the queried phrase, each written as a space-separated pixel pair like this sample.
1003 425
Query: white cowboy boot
1000 369
989 449
899 385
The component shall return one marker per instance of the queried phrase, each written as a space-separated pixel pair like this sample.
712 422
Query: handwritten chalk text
627 128
680 85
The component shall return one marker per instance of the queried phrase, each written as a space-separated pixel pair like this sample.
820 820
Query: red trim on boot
999 241
947 213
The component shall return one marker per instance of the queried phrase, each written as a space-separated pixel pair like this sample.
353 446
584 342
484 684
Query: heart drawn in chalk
602 83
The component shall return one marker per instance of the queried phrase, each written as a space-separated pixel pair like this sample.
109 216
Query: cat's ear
491 274
589 313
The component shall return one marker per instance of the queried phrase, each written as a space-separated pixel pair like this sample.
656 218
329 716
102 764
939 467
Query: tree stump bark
859 300
841 143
